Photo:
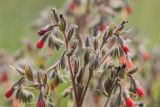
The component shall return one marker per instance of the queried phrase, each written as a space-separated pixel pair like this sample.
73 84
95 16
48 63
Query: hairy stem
85 91
70 69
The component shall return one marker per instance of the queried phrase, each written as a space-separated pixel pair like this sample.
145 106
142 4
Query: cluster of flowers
101 58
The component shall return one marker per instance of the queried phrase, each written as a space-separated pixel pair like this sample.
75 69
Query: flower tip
139 91
125 48
129 102
40 103
40 44
129 9
145 56
9 93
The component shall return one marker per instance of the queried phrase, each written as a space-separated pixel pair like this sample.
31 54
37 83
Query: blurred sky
16 17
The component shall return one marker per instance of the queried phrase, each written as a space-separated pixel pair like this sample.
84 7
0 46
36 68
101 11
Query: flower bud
41 102
9 92
125 48
102 27
3 77
129 64
40 44
72 6
145 56
15 102
128 9
42 31
127 99
138 88
28 73
41 41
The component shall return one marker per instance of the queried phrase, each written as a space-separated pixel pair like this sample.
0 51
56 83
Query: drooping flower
40 102
15 102
145 56
9 92
138 88
125 48
128 9
40 44
102 27
3 77
127 98
129 64
72 6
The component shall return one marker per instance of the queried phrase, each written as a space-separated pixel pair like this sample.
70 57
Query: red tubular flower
15 102
40 43
9 92
42 31
122 60
139 91
138 88
145 56
3 77
129 64
125 48
72 5
96 99
127 99
40 102
129 102
102 27
128 9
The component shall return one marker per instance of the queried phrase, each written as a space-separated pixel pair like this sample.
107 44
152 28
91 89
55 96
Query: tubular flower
138 88
127 99
9 92
40 44
40 102
125 48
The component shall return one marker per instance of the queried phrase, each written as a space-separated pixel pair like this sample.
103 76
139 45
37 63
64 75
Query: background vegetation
16 17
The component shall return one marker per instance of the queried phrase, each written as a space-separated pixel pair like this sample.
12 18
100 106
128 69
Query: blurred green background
16 17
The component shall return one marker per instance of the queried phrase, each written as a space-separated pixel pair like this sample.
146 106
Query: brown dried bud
28 73
42 77
79 76
86 57
87 44
72 48
95 44
62 23
71 32
62 62
94 64
133 70
54 16
120 28
75 65
108 86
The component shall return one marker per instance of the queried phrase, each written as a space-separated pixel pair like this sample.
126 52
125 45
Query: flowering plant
98 64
